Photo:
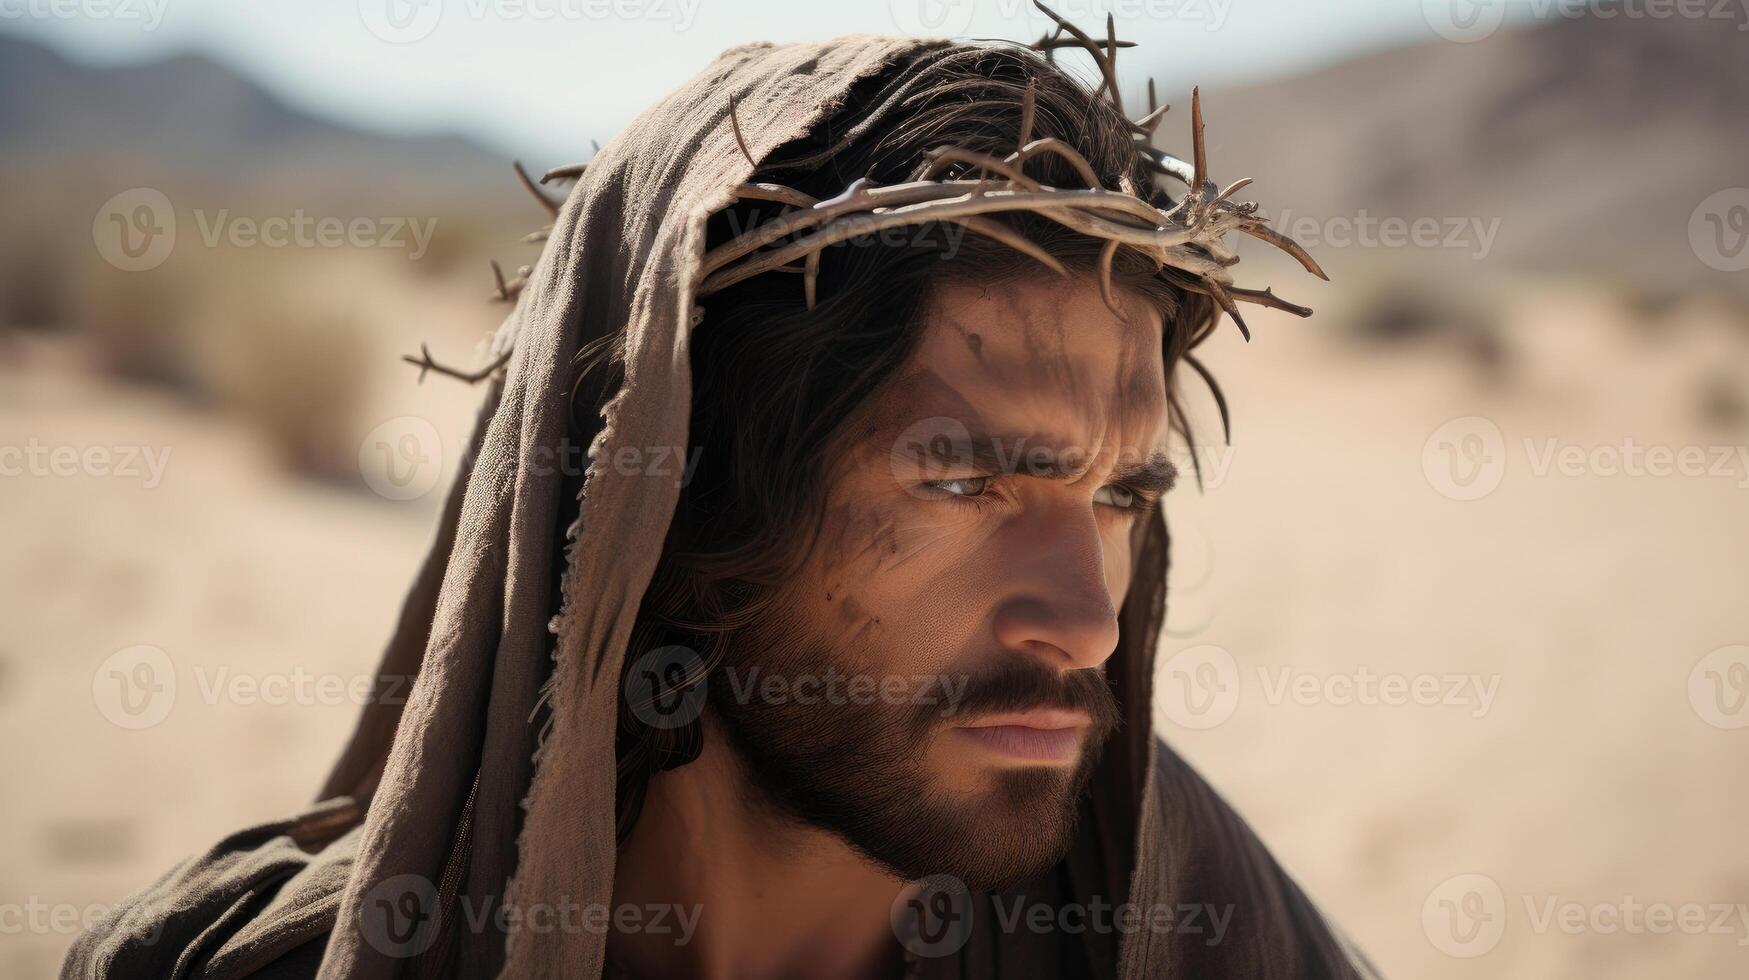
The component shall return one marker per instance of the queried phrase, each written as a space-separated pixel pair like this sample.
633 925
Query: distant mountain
220 147
1592 140
192 118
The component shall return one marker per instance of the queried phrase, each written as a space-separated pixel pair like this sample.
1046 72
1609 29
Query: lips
1050 735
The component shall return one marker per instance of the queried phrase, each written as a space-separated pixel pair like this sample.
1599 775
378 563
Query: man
837 660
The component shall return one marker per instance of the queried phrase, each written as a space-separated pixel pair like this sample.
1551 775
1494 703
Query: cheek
856 575
893 583
1117 560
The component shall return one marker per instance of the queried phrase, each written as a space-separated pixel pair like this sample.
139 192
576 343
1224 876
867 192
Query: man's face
943 698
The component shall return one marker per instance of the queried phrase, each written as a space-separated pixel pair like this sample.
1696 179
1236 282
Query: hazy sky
546 76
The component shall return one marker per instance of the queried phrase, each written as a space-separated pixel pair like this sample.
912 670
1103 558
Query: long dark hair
774 382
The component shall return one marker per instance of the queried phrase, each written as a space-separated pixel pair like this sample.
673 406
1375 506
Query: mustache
1003 681
1020 683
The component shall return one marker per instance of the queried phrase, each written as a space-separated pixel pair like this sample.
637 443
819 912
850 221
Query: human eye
966 486
1122 497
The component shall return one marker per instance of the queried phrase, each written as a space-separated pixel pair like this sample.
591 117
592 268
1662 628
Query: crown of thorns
1189 236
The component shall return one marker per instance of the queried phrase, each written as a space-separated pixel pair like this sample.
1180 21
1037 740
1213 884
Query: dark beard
857 769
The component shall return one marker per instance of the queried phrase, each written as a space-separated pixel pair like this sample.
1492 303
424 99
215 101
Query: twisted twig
508 291
1186 240
1187 237
533 188
426 364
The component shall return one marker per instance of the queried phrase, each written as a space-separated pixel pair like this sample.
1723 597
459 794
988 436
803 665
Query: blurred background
1460 619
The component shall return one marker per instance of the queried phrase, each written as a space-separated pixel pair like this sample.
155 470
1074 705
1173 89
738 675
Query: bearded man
837 660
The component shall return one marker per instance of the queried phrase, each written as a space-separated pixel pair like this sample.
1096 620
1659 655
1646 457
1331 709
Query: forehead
1043 356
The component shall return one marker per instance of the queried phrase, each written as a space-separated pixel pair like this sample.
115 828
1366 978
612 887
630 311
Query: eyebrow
1153 475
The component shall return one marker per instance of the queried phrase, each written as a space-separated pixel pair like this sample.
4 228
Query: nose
1056 603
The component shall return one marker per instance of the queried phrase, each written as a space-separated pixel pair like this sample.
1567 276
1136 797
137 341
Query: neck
766 896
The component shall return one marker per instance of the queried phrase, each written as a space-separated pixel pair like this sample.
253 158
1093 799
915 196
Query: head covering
455 802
